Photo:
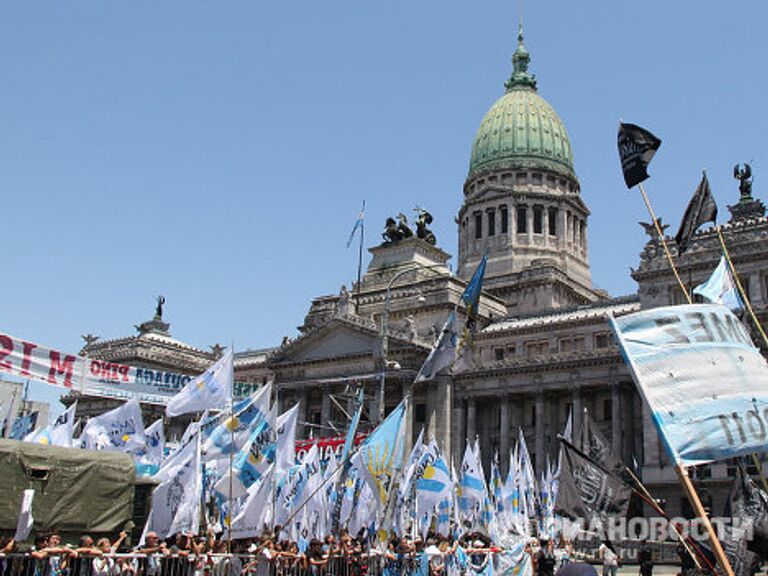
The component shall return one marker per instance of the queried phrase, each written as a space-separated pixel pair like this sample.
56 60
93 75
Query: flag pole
228 517
664 243
698 507
742 292
360 259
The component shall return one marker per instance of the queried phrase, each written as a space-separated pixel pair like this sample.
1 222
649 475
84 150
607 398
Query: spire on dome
520 60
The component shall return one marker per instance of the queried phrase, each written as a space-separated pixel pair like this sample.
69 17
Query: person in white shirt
609 558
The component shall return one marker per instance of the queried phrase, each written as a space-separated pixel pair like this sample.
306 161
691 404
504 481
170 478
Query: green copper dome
521 130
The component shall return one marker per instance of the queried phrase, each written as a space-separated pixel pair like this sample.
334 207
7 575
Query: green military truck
76 491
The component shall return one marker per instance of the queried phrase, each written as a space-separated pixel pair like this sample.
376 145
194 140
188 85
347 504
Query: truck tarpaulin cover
75 490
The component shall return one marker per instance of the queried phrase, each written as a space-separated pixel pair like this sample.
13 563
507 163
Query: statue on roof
396 230
159 308
423 219
89 339
743 173
650 229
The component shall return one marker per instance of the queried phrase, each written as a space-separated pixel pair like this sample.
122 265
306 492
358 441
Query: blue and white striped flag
358 224
212 389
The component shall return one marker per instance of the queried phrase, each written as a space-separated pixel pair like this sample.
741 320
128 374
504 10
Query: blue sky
218 153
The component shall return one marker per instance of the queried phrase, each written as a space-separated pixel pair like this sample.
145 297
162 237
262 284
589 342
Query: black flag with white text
636 148
701 208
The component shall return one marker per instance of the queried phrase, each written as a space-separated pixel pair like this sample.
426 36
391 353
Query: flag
25 521
39 436
62 430
443 354
231 432
382 453
212 389
747 502
358 224
352 430
150 457
120 430
285 454
250 518
701 209
433 484
472 483
471 295
636 149
720 288
596 447
23 425
176 501
587 491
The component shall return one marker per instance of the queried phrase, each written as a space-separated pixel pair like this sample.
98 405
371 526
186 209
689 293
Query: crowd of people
269 555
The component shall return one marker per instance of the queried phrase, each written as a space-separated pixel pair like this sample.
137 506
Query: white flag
250 519
212 389
443 354
286 439
720 288
24 525
119 430
150 457
176 501
62 429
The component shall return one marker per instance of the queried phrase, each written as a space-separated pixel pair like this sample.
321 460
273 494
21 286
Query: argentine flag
231 434
720 288
212 389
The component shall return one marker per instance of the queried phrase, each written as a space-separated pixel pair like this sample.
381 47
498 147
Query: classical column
325 412
408 428
471 424
539 407
616 418
458 435
529 224
443 413
576 407
303 413
504 435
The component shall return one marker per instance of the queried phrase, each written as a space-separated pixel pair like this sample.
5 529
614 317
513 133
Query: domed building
543 350
522 204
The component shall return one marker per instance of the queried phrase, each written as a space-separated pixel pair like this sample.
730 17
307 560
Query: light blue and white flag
434 484
472 482
382 453
40 436
212 389
23 426
359 223
231 434
443 354
249 520
150 457
721 288
176 501
119 430
702 378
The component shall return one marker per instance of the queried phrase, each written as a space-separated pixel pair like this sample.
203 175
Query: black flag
748 502
636 148
702 208
587 490
594 445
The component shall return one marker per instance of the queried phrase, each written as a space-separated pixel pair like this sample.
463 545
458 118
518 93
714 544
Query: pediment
333 340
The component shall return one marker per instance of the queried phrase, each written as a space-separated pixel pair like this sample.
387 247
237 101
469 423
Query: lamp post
385 325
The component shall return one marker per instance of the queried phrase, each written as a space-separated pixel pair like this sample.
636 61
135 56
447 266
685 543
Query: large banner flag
382 453
176 501
702 377
120 430
720 288
26 359
636 149
212 389
701 209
